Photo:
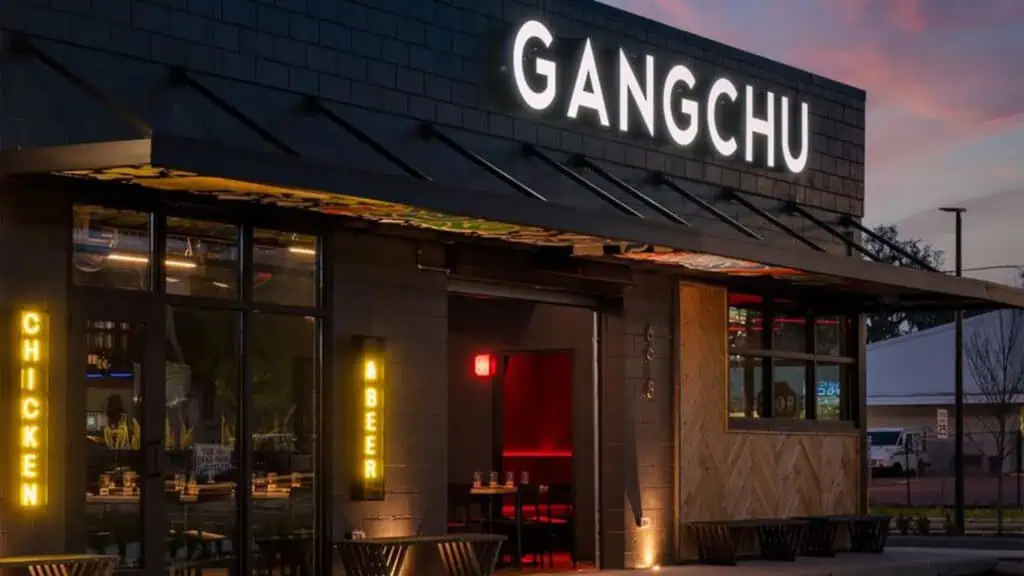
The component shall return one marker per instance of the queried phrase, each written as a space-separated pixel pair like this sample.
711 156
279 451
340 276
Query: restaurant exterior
232 230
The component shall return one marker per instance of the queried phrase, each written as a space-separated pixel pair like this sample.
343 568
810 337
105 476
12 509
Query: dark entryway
521 401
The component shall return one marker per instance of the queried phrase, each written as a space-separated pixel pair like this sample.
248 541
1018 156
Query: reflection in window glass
789 332
113 429
829 335
284 439
200 434
830 390
284 268
789 385
111 248
745 321
745 378
202 258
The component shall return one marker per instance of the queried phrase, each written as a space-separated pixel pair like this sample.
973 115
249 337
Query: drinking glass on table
510 479
494 478
525 478
476 479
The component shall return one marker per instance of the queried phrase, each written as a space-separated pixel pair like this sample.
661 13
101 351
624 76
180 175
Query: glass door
120 390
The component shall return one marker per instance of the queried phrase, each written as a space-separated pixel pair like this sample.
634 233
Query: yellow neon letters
372 467
31 357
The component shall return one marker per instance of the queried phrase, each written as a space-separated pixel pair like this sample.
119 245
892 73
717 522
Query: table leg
519 529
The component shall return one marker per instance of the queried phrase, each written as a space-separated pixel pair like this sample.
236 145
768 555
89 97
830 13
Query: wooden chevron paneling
735 475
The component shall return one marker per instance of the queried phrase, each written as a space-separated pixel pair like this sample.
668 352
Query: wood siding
735 475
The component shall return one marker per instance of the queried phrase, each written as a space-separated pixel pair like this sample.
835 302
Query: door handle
153 460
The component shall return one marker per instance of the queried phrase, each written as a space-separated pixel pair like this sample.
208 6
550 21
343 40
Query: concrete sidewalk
893 562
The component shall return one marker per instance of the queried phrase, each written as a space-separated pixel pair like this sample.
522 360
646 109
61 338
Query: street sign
942 424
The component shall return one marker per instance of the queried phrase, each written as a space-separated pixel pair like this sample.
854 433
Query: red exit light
484 365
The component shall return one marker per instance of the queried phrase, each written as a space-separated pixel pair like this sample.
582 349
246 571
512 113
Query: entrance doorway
522 383
533 411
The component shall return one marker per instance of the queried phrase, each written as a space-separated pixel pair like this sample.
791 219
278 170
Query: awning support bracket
21 44
664 179
181 75
738 198
631 190
531 150
794 207
851 222
314 104
430 131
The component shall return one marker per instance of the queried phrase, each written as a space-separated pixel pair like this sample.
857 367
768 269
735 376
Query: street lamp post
958 382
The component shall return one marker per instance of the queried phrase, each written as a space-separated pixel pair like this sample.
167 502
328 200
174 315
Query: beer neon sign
32 356
371 379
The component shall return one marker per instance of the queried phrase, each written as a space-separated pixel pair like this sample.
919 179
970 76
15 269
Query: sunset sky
945 85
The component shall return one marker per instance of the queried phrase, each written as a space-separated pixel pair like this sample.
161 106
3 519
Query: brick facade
388 65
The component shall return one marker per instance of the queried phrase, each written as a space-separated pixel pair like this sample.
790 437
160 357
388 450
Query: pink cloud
924 15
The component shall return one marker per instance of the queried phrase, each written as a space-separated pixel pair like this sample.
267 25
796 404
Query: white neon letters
722 87
546 69
795 164
682 107
763 126
629 88
680 74
592 98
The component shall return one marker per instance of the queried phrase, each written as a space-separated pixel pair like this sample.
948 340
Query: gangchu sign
662 99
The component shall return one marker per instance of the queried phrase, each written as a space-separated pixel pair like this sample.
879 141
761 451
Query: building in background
910 378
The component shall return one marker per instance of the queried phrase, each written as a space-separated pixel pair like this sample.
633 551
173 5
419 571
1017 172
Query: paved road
978 491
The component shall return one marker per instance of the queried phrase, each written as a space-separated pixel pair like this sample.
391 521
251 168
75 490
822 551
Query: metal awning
174 163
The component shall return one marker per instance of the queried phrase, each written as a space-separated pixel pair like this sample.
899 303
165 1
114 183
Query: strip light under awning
136 259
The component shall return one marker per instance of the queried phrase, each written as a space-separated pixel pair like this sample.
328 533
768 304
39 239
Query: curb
962 542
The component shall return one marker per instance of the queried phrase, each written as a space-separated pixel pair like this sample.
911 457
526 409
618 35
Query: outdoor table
500 491
461 554
61 564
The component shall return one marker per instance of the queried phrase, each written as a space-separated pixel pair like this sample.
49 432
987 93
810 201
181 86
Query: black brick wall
388 64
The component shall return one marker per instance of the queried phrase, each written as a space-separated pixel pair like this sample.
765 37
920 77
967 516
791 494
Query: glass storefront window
111 248
789 385
746 317
284 433
789 332
113 382
745 386
285 268
830 390
830 336
200 433
202 258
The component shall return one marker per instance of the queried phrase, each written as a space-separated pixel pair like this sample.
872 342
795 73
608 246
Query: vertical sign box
942 423
371 392
32 335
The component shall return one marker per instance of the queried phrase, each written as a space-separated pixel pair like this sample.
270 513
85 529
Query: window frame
767 352
246 219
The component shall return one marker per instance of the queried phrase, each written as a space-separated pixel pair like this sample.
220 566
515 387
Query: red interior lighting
484 365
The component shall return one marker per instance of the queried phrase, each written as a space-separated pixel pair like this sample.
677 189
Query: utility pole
958 381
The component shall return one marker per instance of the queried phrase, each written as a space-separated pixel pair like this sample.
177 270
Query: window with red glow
746 316
800 368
